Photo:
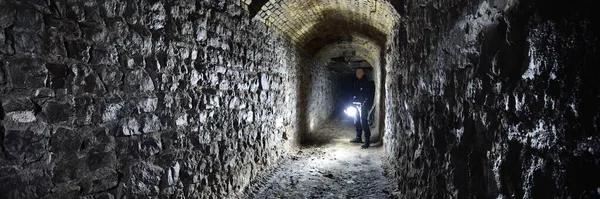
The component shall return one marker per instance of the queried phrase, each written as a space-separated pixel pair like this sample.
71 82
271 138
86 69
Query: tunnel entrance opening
344 79
356 32
341 56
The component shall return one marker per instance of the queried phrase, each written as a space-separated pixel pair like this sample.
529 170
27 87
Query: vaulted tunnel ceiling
335 26
359 46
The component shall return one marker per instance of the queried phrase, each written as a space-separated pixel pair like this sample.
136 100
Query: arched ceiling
330 24
355 47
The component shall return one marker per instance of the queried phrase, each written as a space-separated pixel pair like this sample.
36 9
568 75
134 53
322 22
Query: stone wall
494 99
320 82
138 99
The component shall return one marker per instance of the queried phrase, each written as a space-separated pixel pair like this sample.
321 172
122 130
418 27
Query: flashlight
350 111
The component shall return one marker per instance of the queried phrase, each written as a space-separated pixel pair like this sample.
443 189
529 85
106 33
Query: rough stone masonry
495 99
145 99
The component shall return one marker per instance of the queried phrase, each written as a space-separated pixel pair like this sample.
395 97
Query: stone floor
331 167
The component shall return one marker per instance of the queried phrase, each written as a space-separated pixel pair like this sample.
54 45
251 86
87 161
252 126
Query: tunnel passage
147 99
196 99
341 35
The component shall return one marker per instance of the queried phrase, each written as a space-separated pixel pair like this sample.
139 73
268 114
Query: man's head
360 73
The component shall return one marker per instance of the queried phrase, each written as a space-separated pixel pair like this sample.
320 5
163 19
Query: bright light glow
351 111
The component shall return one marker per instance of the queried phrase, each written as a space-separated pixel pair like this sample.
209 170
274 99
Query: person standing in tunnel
364 91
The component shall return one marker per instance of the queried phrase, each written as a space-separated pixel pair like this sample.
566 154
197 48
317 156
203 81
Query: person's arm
355 91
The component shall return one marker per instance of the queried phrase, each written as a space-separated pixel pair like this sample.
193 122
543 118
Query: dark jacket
364 91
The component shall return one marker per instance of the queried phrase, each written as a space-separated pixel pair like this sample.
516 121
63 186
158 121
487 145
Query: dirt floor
331 167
